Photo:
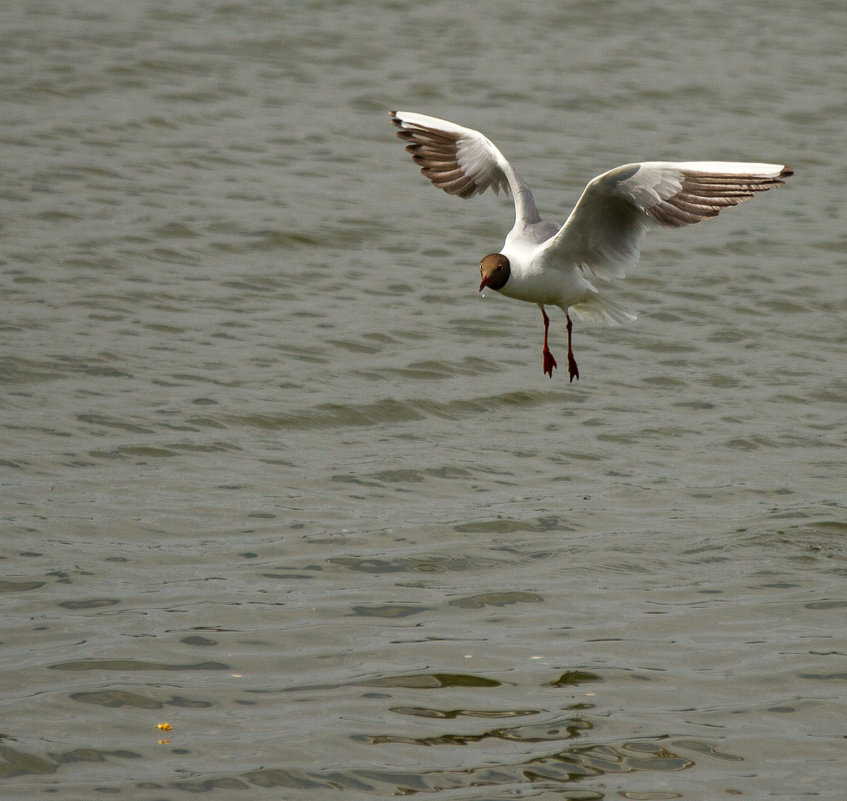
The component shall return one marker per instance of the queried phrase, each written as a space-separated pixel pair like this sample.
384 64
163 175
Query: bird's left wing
604 230
462 161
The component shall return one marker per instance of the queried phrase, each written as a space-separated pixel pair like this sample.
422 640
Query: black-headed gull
547 264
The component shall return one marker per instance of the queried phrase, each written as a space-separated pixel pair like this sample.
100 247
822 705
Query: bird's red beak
483 283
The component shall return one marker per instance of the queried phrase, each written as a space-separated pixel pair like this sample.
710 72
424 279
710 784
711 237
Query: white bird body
549 265
531 282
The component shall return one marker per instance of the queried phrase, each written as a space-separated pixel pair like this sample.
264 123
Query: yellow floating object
164 726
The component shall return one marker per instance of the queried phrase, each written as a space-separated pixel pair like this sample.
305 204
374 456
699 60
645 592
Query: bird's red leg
573 370
549 361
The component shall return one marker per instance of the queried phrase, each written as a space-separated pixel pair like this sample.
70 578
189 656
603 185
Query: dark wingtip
395 120
787 170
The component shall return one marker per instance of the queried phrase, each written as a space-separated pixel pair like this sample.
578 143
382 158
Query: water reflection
568 763
562 769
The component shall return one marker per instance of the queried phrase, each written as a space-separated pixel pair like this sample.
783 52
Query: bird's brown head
495 271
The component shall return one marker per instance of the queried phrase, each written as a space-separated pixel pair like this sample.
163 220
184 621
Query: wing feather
462 161
604 230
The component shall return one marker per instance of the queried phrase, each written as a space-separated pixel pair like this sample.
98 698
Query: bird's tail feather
598 308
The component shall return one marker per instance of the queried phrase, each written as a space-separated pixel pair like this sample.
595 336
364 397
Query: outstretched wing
603 231
462 161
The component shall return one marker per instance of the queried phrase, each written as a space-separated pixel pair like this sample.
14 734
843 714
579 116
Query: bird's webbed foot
549 363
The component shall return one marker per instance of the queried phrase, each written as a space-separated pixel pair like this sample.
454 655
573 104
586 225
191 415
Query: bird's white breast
536 280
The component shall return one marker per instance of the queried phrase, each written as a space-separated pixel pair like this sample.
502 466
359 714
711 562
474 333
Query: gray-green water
273 473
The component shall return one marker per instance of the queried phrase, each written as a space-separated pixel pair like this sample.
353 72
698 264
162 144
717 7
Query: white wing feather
604 230
462 161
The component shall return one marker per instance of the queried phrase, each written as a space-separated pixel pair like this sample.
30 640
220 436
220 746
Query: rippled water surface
274 474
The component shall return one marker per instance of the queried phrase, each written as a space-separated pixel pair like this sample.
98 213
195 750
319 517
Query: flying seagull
551 265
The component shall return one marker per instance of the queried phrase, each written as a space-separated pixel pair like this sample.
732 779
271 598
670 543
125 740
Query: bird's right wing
462 161
603 232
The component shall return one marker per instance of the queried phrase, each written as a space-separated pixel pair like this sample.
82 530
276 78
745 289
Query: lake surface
274 474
